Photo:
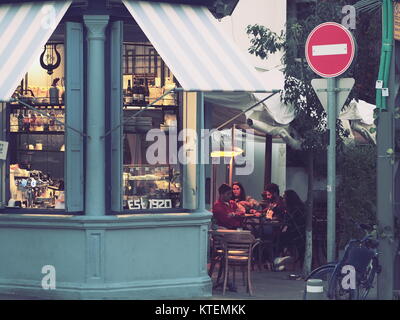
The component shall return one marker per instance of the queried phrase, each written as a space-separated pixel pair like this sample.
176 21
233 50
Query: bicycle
363 256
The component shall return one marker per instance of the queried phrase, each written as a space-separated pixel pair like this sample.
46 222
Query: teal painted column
200 179
202 156
95 147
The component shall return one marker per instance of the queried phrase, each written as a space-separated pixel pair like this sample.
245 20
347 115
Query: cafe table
256 226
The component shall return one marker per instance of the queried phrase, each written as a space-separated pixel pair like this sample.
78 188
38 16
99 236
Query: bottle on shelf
129 89
135 93
54 92
60 119
32 121
27 123
52 122
146 93
20 121
46 122
141 93
39 122
128 93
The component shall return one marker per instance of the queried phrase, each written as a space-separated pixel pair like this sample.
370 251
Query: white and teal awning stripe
24 30
191 43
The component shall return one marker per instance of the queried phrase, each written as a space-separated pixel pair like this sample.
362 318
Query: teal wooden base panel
141 290
152 256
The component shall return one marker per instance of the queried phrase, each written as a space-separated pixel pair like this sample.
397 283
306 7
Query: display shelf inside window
45 119
36 154
146 78
149 187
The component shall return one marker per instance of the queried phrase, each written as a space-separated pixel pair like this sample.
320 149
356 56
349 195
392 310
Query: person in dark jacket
293 234
226 213
273 205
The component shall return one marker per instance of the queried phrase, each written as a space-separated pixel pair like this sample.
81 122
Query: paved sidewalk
267 285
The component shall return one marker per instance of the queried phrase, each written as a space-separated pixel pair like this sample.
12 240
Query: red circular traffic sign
330 49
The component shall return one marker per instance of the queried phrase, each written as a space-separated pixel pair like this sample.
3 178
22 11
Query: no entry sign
330 49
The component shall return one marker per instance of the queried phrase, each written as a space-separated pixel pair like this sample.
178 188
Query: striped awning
193 46
24 30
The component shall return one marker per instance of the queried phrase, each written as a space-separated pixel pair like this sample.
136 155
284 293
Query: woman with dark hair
293 234
239 196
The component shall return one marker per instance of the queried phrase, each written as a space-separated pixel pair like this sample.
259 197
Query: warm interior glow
226 153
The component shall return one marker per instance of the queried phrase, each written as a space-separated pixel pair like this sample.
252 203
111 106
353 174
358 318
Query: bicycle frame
364 280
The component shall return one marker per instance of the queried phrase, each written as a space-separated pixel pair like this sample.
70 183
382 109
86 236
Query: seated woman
293 234
226 213
239 196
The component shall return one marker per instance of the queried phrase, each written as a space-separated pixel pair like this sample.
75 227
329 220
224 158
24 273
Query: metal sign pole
329 60
331 185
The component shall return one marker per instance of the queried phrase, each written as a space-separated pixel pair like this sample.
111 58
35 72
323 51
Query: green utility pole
331 185
386 95
395 87
385 201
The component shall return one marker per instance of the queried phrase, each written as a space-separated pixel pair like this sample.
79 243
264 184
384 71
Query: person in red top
225 211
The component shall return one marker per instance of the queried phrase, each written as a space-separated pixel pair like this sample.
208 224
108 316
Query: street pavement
267 285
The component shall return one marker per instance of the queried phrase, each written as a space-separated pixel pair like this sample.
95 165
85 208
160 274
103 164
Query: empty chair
238 248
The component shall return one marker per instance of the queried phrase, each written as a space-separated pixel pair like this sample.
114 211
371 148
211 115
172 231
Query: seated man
273 205
225 211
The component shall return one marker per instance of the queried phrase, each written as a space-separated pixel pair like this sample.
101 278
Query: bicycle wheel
336 290
323 273
364 286
332 283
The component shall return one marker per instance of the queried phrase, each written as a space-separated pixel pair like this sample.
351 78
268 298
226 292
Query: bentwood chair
238 249
216 253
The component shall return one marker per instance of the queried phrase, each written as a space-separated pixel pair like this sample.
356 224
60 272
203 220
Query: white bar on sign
329 49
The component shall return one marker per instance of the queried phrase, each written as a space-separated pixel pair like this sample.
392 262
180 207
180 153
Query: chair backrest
238 244
244 238
217 240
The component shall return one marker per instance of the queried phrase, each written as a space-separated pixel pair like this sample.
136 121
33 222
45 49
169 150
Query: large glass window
148 185
36 133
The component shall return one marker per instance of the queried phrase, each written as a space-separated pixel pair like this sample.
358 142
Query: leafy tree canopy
310 120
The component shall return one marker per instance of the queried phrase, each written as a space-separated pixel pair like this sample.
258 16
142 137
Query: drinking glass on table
269 214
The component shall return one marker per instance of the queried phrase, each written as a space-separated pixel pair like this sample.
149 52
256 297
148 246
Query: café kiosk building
80 200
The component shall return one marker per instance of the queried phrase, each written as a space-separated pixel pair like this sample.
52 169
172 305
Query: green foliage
310 121
264 41
356 191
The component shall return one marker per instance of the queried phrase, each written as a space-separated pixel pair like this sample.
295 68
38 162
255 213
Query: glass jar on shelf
39 123
26 122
